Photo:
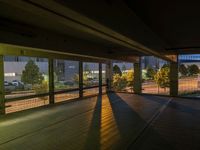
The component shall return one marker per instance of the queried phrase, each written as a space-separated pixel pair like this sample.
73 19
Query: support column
109 72
137 84
80 79
2 93
100 78
173 78
51 81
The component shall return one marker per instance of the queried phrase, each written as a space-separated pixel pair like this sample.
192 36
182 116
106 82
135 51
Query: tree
116 70
165 66
130 78
183 70
123 67
162 77
193 69
150 73
31 74
119 82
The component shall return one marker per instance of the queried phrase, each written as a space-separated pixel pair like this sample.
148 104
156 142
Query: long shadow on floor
130 125
117 126
93 136
176 104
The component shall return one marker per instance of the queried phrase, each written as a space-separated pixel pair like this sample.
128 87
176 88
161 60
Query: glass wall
123 75
90 78
189 75
104 78
66 77
155 75
66 74
90 74
23 77
103 74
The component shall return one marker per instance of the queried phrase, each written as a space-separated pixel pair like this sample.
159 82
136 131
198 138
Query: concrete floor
113 121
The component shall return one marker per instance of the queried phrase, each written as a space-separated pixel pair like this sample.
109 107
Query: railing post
2 92
174 78
100 78
137 83
51 81
80 79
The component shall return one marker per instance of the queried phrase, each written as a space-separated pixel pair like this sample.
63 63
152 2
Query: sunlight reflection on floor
109 131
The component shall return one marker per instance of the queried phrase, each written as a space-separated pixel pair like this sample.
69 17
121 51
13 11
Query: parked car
18 84
9 87
6 83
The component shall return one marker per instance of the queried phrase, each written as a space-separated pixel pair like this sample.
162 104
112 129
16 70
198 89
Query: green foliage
116 70
76 79
59 86
193 69
162 77
31 74
150 73
130 78
165 66
120 82
183 70
86 74
41 88
55 77
86 80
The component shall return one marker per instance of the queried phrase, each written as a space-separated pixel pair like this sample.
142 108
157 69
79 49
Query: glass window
66 74
123 76
189 75
24 76
103 74
155 75
90 74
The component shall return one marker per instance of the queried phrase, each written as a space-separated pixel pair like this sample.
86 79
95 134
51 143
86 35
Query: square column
80 79
2 92
173 78
109 70
100 78
137 84
51 81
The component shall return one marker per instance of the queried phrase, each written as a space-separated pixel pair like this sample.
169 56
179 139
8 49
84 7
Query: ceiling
175 22
119 27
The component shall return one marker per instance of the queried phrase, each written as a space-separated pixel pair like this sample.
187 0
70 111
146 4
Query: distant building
153 62
189 58
120 64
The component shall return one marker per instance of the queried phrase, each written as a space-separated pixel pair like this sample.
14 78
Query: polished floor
113 121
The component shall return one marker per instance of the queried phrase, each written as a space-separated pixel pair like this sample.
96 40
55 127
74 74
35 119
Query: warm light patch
109 132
